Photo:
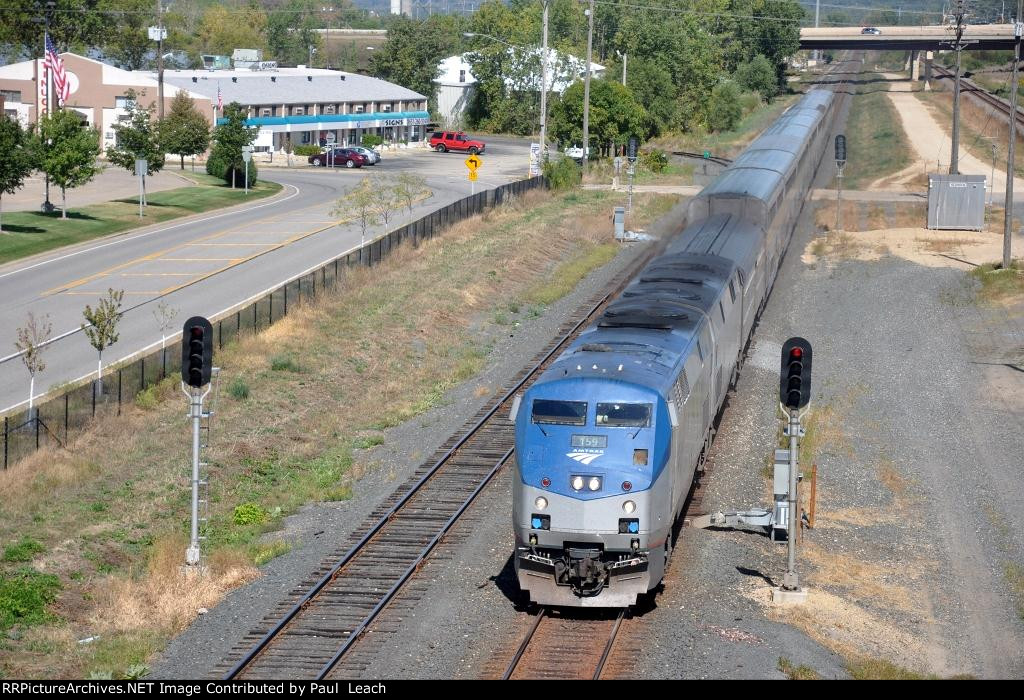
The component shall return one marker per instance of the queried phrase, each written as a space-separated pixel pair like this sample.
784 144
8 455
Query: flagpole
47 205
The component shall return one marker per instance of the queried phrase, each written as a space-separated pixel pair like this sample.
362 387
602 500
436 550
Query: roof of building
289 86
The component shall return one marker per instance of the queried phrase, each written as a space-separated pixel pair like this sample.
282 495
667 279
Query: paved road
210 263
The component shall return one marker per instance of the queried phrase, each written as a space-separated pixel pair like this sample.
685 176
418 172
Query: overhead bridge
976 37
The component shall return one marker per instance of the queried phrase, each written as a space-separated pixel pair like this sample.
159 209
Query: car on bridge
870 30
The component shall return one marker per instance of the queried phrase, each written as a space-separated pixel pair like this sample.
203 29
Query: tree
228 138
758 75
164 314
137 137
101 329
31 343
385 199
224 29
71 24
725 109
409 187
359 204
68 152
414 49
126 39
185 130
615 115
651 84
767 27
17 158
291 31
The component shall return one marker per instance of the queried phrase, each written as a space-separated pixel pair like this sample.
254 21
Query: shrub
147 399
562 173
758 75
23 550
238 389
725 110
24 596
237 172
307 150
654 160
371 141
249 514
215 165
284 363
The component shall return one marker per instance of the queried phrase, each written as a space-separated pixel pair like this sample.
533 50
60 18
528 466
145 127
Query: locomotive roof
726 235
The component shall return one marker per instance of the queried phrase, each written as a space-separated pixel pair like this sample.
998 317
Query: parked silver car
372 156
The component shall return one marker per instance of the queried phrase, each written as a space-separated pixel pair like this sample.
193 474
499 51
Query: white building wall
452 103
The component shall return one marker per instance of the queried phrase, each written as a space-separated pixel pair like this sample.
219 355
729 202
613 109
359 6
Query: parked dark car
340 157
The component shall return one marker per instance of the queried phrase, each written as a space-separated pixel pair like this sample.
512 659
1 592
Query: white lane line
150 233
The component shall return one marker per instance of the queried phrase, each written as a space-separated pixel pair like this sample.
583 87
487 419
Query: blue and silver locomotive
609 437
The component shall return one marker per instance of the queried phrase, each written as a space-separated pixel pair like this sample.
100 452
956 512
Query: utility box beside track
956 202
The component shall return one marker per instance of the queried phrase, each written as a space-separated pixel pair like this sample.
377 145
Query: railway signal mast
794 395
840 164
958 47
196 372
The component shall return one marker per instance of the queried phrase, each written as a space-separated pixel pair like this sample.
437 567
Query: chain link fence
59 418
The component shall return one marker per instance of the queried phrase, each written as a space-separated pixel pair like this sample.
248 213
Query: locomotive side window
628 415
560 412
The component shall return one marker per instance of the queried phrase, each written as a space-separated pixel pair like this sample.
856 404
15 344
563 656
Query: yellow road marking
198 259
153 256
230 244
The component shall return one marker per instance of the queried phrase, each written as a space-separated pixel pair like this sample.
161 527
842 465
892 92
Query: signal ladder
202 482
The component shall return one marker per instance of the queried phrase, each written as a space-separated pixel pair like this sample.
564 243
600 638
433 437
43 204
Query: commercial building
99 92
299 106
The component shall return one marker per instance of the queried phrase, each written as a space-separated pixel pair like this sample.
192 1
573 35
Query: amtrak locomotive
609 437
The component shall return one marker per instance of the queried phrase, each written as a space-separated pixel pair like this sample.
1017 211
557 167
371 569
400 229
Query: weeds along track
323 621
970 88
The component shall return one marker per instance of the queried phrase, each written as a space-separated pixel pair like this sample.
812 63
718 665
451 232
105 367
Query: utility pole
160 58
1010 168
954 159
586 87
817 8
544 88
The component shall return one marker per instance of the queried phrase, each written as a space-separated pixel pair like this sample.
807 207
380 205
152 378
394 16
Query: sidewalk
112 183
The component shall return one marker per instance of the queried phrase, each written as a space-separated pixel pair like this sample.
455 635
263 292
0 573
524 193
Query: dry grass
386 347
797 673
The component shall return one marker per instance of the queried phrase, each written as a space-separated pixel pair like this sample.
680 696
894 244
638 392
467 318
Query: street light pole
1010 158
586 86
544 87
160 58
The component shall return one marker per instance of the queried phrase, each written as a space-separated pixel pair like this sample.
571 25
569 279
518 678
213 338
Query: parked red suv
442 141
341 157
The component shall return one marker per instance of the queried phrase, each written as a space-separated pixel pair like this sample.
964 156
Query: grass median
300 403
29 233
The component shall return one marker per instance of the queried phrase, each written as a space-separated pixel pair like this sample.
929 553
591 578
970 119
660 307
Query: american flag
54 64
220 100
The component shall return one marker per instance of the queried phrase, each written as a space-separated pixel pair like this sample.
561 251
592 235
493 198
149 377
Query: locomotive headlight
542 503
577 483
629 506
594 484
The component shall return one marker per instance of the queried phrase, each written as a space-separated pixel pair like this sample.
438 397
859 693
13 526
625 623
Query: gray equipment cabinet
956 202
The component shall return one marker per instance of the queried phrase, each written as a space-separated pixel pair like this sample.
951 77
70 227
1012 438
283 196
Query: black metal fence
60 417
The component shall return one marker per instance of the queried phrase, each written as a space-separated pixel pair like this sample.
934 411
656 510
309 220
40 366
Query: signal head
196 352
795 373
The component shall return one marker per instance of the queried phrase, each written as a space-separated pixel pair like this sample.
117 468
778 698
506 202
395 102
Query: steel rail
611 642
411 569
524 644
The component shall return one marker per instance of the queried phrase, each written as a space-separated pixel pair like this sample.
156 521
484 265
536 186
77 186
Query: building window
11 114
267 112
329 109
462 76
123 103
360 109
298 111
11 95
385 108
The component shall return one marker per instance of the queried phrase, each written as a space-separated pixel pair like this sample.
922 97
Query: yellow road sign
473 162
472 175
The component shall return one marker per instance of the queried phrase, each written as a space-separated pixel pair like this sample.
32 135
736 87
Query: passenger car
347 157
442 141
870 30
372 156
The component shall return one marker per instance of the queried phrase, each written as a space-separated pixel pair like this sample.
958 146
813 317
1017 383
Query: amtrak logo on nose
583 457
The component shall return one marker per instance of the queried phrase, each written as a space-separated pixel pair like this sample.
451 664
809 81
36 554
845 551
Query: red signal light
796 353
545 482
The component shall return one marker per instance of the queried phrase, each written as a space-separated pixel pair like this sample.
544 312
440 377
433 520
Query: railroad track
971 88
700 156
323 621
566 646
